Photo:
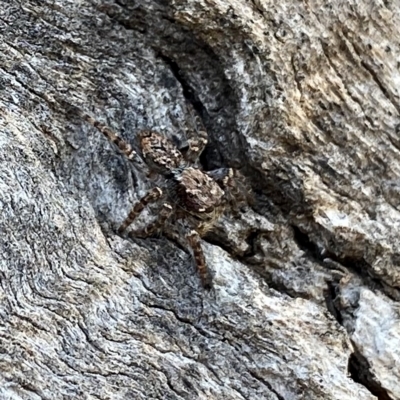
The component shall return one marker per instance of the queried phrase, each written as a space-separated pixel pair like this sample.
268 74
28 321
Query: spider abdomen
197 192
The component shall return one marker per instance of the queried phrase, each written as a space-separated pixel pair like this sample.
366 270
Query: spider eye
191 195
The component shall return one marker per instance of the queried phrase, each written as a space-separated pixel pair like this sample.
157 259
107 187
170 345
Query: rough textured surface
303 98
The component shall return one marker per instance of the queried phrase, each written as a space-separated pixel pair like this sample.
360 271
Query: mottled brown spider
192 199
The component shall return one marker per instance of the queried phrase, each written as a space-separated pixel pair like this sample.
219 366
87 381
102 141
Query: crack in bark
359 52
188 92
324 47
360 372
357 266
359 367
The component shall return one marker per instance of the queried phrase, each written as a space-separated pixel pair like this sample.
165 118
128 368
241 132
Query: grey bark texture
303 98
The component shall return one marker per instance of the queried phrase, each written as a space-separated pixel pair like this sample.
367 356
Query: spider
191 199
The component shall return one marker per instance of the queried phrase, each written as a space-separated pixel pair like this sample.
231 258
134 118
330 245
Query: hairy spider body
197 192
192 200
159 153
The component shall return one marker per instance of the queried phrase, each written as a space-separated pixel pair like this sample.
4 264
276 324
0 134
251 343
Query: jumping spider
192 199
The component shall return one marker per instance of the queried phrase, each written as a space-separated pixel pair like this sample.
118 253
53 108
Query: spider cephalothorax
197 192
160 154
192 199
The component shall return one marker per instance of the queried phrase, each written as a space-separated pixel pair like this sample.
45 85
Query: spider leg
153 227
124 147
194 242
222 176
237 191
150 197
175 236
196 146
196 136
113 137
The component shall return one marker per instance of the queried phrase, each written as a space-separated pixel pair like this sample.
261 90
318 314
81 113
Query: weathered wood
302 97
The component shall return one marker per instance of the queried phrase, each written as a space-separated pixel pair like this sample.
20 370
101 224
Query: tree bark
301 97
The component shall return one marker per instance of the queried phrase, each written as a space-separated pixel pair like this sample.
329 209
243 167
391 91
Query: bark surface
302 98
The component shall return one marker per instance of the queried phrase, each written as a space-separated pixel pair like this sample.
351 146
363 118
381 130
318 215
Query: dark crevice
296 77
267 384
211 157
357 266
359 368
193 63
374 75
253 242
376 79
305 244
330 295
360 372
262 272
188 92
219 239
191 322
